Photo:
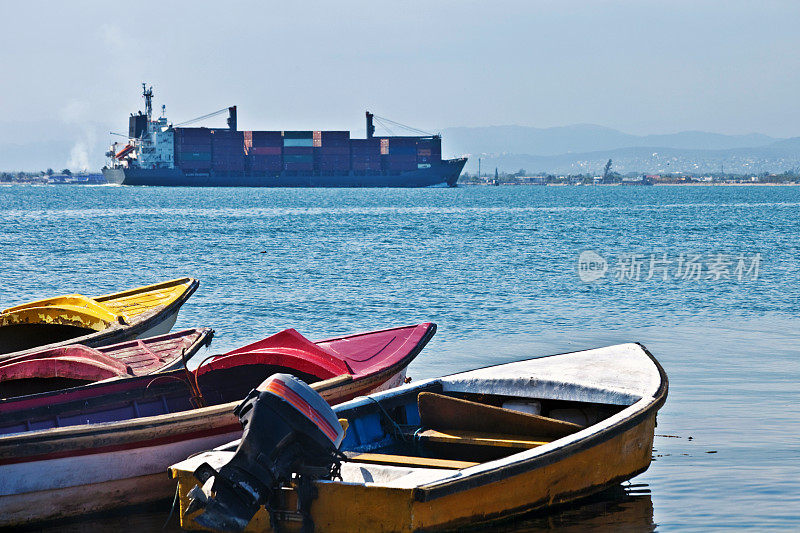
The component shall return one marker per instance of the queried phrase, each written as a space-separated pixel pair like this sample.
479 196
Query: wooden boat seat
447 414
474 438
406 460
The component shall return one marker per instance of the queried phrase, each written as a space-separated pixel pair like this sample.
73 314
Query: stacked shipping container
402 154
227 148
325 152
264 150
298 151
334 151
365 155
193 149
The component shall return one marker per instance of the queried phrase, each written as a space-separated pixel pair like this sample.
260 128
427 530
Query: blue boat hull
446 173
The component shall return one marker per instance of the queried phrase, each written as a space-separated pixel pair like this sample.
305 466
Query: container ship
159 153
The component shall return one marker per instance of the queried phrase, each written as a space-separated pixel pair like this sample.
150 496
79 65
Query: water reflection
151 517
627 508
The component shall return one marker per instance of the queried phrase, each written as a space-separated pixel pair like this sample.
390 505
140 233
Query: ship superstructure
160 153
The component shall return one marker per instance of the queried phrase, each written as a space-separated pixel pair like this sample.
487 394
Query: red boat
70 366
112 442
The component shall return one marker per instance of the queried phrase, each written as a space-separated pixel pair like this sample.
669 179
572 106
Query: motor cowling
289 431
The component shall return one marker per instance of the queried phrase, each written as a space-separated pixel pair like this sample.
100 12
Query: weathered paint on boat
76 319
60 368
413 498
93 467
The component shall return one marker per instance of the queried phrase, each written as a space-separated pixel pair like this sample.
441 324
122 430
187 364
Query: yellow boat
474 447
77 319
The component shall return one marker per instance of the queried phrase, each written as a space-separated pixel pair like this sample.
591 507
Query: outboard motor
290 431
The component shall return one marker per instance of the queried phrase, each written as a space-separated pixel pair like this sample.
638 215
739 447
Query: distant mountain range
586 148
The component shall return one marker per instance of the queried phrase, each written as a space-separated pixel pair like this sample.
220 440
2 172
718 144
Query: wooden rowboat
108 445
56 369
77 319
478 446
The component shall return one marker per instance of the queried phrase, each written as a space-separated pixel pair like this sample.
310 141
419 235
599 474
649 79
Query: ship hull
446 173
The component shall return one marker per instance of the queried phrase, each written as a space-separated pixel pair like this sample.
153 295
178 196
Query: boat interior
24 387
417 435
18 337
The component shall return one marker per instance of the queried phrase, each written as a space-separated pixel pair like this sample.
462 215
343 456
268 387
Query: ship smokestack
370 125
232 118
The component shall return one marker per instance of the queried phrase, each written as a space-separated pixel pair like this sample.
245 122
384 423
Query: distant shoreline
693 184
756 184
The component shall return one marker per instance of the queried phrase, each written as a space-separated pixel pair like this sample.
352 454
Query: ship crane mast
204 117
148 101
385 122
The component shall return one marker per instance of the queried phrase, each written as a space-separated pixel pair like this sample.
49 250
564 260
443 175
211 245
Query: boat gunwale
144 288
431 325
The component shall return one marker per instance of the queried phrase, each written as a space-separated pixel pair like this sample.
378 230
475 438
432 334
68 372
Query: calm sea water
706 277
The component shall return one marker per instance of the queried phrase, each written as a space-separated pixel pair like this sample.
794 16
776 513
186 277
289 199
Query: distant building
637 180
77 179
533 180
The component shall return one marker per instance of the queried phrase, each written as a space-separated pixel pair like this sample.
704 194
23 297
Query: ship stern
114 175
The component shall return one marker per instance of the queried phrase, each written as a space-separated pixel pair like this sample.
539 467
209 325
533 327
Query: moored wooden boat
478 446
76 319
108 445
56 369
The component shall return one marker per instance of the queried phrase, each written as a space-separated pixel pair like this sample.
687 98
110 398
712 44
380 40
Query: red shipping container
266 150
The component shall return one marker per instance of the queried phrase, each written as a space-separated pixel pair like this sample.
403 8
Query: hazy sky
639 66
